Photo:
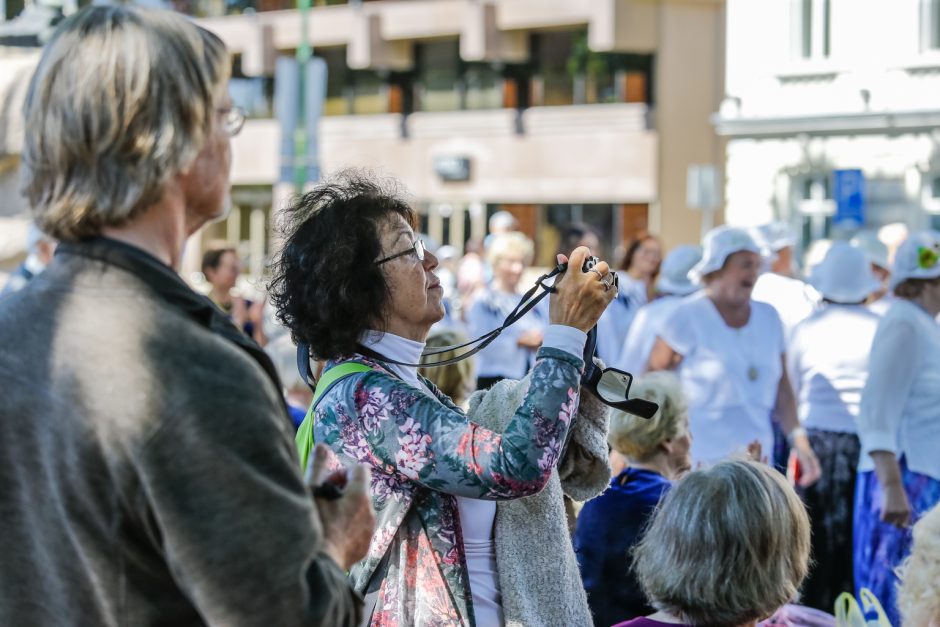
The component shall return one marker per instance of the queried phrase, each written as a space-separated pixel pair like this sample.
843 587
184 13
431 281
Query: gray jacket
538 573
148 471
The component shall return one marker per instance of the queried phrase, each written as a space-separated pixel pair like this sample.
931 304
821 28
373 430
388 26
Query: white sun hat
775 236
674 271
844 275
719 244
876 250
918 257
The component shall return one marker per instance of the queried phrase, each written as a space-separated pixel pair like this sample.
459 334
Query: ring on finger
600 277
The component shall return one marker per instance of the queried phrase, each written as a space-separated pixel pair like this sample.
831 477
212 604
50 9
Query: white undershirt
477 517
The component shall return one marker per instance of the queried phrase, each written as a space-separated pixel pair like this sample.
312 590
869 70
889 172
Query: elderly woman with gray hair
511 354
728 546
152 428
657 451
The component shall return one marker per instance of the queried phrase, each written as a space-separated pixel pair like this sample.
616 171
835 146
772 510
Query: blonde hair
638 438
728 545
919 594
504 244
122 100
454 380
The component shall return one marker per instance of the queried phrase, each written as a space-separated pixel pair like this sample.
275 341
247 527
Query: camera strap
529 300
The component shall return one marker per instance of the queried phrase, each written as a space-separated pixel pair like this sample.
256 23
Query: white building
817 86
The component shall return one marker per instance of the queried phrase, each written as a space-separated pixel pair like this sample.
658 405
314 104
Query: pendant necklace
752 372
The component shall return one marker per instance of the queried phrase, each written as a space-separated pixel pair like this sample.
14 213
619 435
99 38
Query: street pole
303 56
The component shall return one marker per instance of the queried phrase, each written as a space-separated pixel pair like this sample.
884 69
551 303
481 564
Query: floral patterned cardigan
422 453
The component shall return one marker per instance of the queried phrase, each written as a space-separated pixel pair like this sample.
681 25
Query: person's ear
667 445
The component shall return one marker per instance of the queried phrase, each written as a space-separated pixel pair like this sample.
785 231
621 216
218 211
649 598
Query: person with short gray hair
609 526
149 472
510 355
728 546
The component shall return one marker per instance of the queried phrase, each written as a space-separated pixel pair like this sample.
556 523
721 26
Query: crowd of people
166 462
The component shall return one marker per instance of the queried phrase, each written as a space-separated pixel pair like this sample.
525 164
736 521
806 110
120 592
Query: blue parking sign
849 196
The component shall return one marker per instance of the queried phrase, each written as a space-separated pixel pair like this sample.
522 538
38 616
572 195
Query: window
811 25
812 195
254 94
438 76
930 192
482 86
929 25
566 71
445 82
935 187
352 91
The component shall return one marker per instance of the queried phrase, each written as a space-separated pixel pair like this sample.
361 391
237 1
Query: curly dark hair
325 284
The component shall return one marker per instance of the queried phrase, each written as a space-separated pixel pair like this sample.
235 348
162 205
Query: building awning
891 123
18 66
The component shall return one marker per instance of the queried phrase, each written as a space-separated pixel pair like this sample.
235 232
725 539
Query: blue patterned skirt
880 547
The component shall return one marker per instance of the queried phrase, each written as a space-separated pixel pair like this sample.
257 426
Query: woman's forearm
887 468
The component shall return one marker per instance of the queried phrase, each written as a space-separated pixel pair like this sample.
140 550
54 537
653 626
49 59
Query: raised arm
408 433
398 429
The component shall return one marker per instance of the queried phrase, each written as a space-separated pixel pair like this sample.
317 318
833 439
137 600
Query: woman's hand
810 470
581 297
895 506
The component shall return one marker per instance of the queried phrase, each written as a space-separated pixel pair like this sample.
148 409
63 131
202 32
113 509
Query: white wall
875 66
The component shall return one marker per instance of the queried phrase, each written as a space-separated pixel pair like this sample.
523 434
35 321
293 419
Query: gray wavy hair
121 101
638 438
728 545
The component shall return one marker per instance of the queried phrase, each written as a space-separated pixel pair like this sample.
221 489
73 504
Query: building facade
558 111
818 88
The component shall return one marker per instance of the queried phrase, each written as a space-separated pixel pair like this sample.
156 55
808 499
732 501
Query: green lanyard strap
328 379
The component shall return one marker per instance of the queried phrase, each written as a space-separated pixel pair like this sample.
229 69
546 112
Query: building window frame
929 23
811 30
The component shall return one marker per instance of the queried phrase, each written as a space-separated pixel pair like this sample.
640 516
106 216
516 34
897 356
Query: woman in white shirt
899 422
510 355
729 353
828 365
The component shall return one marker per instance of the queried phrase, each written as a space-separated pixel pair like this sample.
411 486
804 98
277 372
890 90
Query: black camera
589 265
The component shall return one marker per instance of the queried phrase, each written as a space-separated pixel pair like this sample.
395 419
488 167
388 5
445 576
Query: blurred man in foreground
149 473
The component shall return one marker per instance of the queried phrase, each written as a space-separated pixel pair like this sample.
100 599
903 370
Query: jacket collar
167 285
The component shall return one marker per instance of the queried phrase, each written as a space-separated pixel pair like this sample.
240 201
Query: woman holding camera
355 284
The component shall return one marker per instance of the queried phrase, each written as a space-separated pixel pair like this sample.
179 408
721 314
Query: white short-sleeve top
827 359
729 376
900 409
